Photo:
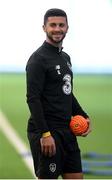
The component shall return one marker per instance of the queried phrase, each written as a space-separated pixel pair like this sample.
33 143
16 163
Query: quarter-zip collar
52 48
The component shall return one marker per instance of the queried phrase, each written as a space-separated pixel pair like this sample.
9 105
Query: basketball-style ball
78 125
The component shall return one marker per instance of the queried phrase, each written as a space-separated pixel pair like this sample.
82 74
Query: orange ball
78 125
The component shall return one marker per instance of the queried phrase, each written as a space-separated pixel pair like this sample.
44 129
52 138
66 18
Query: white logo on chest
58 69
67 84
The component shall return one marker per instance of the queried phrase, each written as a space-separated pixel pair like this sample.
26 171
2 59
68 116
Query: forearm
37 114
77 109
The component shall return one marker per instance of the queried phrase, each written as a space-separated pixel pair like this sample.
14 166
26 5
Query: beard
50 36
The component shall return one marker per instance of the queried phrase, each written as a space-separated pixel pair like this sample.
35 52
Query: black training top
49 89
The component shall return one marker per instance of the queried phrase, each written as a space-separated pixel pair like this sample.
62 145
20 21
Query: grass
11 164
13 101
94 92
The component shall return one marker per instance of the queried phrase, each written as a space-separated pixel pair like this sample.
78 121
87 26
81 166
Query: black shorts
66 160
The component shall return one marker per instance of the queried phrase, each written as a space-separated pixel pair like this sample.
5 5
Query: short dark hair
54 12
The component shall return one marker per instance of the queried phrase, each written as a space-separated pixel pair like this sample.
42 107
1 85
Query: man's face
56 29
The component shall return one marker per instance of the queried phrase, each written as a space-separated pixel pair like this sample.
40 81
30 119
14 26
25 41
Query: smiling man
56 29
51 102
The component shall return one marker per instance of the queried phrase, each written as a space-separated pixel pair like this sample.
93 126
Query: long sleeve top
49 89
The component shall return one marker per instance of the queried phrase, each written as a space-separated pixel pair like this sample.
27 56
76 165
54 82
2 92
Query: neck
59 45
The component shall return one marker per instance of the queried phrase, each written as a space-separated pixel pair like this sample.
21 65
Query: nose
57 28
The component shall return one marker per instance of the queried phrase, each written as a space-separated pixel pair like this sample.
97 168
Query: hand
48 146
89 128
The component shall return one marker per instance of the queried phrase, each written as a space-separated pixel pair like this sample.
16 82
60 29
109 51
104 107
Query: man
51 102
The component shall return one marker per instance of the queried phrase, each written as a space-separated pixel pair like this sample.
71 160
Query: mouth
56 36
59 35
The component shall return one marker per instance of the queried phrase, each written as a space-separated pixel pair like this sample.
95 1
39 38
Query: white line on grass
16 141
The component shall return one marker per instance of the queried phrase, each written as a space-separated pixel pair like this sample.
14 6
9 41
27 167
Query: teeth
57 34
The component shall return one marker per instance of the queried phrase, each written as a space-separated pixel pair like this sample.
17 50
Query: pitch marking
16 141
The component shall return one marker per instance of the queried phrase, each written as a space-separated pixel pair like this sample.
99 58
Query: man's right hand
48 146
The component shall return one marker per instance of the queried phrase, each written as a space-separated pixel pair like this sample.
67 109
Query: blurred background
89 43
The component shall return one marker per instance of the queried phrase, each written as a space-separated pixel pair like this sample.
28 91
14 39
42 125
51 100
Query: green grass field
94 93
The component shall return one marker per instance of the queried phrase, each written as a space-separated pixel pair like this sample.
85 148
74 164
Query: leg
73 176
72 165
45 167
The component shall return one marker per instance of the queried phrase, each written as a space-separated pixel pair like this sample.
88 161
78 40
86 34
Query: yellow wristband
46 134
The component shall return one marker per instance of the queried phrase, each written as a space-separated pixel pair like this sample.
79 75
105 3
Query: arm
77 110
35 76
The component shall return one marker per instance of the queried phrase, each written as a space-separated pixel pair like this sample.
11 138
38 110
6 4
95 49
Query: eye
61 25
53 25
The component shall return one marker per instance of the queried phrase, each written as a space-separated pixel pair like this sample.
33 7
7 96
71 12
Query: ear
67 28
44 28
